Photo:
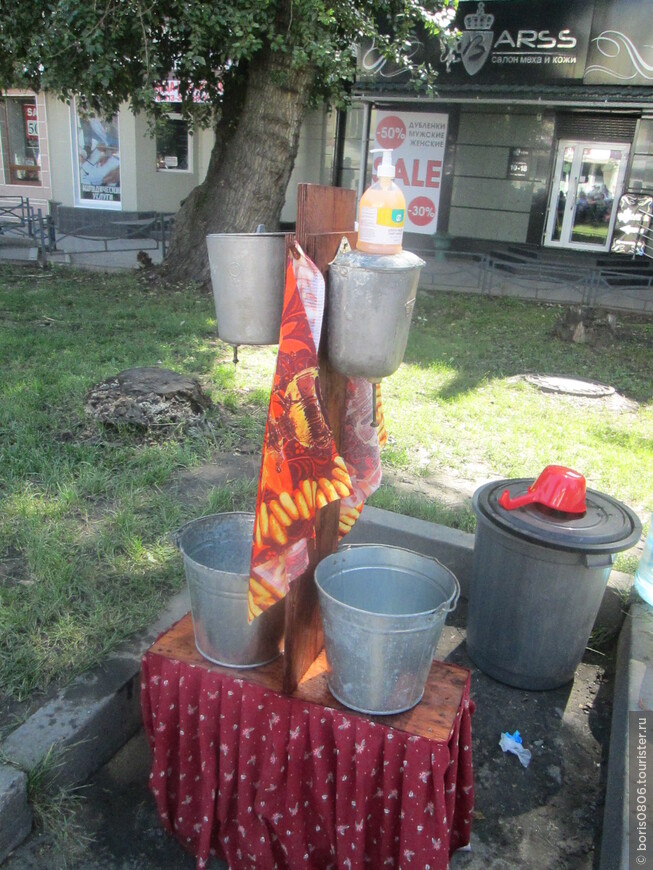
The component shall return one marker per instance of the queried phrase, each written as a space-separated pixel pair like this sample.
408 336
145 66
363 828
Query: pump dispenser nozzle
385 169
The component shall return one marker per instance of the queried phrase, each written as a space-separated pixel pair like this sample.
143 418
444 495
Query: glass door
587 183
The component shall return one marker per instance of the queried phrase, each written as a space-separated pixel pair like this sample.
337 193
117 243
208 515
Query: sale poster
31 121
418 141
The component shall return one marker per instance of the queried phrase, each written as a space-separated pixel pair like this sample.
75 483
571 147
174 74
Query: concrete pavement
453 271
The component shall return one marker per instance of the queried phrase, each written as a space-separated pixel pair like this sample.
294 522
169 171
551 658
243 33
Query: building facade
96 172
541 131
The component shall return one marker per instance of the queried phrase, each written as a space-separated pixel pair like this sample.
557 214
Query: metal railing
21 222
19 219
586 283
151 228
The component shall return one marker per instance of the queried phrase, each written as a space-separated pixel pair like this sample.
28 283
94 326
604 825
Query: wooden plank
324 215
303 636
322 209
432 718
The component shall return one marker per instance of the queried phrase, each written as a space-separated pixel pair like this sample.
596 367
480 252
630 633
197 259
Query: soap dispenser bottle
382 212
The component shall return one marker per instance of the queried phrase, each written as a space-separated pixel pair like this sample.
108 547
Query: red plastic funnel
557 487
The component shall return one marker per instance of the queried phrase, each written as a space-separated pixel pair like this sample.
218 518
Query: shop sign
522 42
621 48
418 141
519 41
519 163
169 92
31 122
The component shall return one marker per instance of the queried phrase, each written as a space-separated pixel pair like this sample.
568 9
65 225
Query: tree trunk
249 168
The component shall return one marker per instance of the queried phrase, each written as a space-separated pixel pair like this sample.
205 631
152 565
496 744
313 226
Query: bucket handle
454 602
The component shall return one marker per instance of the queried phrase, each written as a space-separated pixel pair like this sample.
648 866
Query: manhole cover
570 386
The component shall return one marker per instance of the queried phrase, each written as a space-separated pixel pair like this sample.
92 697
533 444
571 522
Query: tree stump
147 397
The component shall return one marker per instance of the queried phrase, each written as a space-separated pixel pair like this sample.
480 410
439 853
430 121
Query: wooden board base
432 718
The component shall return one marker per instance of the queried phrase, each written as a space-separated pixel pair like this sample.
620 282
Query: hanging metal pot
370 306
247 275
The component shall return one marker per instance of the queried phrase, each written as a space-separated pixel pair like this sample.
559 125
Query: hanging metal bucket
383 609
216 550
369 309
247 275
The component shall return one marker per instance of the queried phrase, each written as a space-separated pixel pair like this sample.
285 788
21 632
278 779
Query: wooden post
324 216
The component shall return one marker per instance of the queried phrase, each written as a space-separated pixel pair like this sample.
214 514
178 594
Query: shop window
349 170
173 144
97 161
22 158
641 170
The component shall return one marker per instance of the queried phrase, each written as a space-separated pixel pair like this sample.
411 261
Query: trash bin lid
606 526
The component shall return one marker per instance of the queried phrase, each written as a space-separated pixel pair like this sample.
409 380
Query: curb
93 717
15 811
18 255
633 693
87 723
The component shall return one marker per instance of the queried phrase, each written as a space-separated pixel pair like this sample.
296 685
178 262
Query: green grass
456 400
85 514
56 807
85 554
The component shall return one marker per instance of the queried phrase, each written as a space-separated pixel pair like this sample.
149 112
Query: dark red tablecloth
267 780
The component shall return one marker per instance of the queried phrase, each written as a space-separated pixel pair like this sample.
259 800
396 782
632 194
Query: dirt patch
550 814
192 487
14 570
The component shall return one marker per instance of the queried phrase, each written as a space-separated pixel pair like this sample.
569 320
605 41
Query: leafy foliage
109 51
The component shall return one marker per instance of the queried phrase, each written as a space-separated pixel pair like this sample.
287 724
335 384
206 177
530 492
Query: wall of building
165 189
314 163
61 150
142 186
485 202
129 145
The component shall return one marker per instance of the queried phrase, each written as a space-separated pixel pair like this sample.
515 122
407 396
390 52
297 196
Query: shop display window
173 144
97 161
21 141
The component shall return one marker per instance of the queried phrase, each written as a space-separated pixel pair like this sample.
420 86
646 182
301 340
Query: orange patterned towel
301 470
361 444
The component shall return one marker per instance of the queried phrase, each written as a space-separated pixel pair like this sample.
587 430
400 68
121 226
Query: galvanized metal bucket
369 309
247 275
216 550
383 609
